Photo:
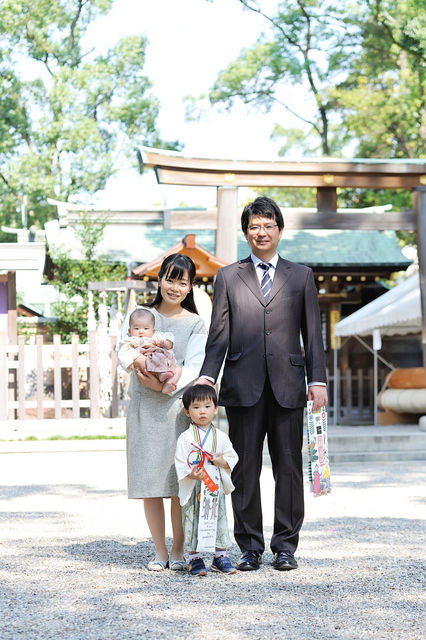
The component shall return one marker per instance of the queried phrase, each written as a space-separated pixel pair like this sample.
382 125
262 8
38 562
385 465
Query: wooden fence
63 381
49 380
355 404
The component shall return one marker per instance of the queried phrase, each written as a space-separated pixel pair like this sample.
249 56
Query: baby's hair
199 392
140 313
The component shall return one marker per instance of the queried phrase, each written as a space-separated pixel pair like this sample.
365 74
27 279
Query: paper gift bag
318 464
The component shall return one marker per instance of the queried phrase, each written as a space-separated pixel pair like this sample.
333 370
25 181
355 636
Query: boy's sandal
177 565
157 565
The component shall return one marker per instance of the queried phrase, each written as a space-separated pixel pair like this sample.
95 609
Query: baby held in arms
150 350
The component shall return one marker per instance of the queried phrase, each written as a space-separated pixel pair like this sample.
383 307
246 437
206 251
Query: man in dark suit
261 305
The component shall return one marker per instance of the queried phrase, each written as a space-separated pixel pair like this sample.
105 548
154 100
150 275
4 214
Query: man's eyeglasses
254 228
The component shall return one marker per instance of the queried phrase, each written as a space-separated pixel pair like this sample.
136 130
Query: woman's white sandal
157 565
178 565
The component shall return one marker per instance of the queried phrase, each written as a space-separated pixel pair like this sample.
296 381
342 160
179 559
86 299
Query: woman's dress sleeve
127 354
194 356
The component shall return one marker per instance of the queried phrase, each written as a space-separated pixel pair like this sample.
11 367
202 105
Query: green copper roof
330 248
325 248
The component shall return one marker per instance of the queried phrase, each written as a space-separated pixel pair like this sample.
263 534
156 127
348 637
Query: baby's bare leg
170 384
165 375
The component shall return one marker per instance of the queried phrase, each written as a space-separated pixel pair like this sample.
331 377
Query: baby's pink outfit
158 359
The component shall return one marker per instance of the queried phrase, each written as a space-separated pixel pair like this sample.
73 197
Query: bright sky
190 42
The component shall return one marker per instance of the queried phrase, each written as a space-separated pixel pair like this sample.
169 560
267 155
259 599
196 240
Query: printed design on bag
318 464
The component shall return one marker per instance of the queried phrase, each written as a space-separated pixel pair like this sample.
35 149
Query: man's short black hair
199 392
264 208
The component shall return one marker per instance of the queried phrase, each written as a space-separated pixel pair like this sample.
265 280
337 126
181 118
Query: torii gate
326 175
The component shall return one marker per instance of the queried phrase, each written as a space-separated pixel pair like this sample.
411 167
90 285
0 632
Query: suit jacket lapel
247 273
282 273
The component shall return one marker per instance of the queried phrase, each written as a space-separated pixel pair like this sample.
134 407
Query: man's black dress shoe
284 561
249 561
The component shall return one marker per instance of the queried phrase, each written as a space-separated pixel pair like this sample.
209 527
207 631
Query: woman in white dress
155 420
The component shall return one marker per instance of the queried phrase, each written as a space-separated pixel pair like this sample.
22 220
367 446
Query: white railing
42 380
76 380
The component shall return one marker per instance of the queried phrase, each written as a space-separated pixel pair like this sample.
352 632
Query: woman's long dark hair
176 265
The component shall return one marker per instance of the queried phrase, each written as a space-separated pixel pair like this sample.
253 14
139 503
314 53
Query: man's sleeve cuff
208 378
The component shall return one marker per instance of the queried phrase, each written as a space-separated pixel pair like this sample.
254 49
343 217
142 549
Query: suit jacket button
267 332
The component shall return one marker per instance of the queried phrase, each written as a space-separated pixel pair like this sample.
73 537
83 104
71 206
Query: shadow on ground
102 589
19 491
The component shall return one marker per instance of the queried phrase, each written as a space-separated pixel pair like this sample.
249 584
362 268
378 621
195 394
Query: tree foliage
66 114
363 63
381 100
295 50
71 277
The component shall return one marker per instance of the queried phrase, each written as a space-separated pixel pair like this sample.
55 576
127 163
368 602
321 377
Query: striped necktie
266 283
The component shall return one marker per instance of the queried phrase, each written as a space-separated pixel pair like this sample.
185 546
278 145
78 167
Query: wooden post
336 381
57 377
370 382
376 388
75 387
420 207
21 377
94 374
227 223
348 378
39 395
114 366
360 376
4 375
327 199
12 316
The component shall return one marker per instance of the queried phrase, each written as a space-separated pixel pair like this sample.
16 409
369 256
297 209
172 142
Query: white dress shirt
259 271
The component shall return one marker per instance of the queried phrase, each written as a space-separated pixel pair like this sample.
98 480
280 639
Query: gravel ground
73 552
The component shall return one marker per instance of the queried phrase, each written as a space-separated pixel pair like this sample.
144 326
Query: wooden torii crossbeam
324 174
174 168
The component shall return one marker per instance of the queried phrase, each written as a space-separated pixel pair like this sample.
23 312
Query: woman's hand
149 380
140 363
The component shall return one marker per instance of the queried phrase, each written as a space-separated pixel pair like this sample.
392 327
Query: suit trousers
284 428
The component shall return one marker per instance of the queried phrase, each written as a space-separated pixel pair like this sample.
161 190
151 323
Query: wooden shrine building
206 263
325 175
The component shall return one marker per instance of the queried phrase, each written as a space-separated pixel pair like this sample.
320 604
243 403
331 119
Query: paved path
73 552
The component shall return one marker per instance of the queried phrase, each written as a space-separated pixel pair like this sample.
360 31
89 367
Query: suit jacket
260 338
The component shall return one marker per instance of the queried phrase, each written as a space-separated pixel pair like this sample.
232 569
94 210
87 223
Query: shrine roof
142 243
314 248
320 248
